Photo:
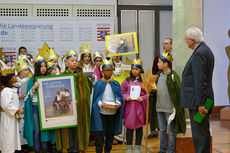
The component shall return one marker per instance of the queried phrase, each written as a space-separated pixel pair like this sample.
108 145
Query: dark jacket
196 84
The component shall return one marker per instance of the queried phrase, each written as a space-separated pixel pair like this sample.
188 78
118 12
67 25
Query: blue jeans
163 125
37 131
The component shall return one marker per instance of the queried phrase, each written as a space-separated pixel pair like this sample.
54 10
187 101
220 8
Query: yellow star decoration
149 81
43 50
128 61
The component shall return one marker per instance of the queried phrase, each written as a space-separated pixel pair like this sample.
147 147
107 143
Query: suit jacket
196 84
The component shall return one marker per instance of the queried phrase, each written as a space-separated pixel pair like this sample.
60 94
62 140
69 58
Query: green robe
173 84
83 87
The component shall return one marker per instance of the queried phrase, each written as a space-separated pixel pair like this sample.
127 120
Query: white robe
9 129
21 84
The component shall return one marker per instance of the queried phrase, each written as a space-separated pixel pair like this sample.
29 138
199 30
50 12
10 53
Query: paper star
128 61
43 50
149 81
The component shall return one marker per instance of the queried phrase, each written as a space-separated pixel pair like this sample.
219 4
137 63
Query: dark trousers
129 136
73 140
200 133
152 112
108 123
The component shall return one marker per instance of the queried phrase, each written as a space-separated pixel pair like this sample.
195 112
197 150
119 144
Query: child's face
55 61
116 59
43 68
72 63
24 73
107 72
161 65
136 71
9 64
13 79
54 71
86 58
98 61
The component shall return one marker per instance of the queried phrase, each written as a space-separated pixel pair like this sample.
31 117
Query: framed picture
122 44
56 101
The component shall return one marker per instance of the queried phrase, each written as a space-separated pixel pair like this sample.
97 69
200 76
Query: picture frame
56 101
122 44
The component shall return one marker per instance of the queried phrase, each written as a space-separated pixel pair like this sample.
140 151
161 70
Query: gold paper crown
50 65
44 49
97 54
50 55
8 71
38 59
71 53
167 57
107 63
85 48
137 62
2 54
20 65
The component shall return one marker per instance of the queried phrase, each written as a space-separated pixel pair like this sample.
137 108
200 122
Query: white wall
216 26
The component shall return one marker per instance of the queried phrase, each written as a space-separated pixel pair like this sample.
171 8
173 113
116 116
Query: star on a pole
43 50
149 81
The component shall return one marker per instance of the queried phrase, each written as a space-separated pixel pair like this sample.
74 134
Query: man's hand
202 110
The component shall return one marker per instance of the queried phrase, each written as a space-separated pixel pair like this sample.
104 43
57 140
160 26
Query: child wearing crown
9 129
32 133
79 136
168 104
134 106
107 109
98 58
22 80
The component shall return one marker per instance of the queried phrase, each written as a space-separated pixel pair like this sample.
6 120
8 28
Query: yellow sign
122 44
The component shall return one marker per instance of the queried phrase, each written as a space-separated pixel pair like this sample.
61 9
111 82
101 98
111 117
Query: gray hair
195 33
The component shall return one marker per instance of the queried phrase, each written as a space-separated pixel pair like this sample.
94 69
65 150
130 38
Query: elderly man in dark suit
196 87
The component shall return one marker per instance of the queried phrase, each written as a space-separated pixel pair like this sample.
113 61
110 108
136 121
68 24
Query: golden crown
8 71
167 57
71 53
50 65
38 59
97 54
2 54
20 65
107 63
137 62
50 55
85 48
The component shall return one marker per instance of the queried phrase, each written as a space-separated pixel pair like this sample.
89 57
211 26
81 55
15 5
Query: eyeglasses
165 44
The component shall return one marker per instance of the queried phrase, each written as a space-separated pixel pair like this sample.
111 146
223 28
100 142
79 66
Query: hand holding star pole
149 83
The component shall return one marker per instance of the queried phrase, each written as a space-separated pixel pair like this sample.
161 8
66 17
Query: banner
62 34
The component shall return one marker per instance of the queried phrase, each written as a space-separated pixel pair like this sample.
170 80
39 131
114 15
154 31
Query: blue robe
96 122
47 135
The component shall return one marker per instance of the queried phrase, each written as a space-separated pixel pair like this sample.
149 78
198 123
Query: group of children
104 112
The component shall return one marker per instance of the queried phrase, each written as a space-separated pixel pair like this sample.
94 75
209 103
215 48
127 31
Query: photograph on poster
122 44
57 101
